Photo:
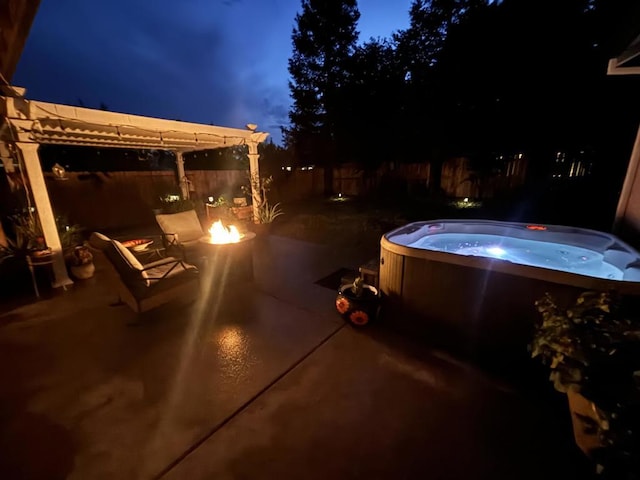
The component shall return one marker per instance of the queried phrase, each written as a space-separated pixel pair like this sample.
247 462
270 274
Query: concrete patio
261 380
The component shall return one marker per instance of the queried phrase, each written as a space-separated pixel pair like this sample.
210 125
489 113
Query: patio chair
144 287
180 234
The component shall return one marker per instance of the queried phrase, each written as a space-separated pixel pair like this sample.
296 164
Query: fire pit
229 252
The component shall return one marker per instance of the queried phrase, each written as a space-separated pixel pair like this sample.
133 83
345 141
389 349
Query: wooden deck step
370 271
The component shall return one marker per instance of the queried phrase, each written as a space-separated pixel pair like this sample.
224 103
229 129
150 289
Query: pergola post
29 153
182 177
254 170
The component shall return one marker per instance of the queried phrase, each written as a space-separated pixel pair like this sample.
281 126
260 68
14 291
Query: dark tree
324 39
429 23
272 158
506 87
373 97
418 49
498 76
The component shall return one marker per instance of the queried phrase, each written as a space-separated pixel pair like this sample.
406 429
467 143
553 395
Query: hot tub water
554 256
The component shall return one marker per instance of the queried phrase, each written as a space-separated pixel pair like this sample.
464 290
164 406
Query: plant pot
582 415
261 229
358 310
84 271
40 256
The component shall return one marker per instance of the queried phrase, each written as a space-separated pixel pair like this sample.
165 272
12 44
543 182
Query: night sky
208 61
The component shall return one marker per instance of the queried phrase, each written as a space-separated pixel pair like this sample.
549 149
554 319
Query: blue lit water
554 256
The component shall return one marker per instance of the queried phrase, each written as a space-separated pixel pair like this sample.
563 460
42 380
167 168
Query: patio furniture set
147 277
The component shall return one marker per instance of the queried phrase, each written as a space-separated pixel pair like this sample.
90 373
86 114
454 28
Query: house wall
627 222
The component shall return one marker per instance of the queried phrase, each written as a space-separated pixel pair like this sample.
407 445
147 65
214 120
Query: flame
221 234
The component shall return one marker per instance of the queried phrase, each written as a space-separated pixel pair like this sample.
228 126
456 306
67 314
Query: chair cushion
154 274
185 224
129 257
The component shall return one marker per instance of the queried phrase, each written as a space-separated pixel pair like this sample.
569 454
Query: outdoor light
59 172
210 199
466 200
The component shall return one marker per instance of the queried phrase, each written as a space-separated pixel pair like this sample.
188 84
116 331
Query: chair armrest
169 239
171 242
162 273
174 263
162 261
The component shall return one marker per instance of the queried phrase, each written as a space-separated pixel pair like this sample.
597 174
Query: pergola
26 124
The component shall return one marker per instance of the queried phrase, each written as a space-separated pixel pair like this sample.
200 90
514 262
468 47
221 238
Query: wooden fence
459 180
126 199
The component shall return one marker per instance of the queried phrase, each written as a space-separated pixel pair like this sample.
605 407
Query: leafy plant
358 287
593 348
176 206
219 202
23 236
70 234
267 213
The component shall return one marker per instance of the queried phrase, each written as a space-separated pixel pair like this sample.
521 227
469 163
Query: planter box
580 409
243 213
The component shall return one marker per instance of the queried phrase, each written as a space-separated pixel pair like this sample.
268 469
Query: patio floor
264 380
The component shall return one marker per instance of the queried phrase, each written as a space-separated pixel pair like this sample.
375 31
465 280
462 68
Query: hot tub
473 283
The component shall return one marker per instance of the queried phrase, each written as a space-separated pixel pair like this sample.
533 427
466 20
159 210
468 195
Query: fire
221 234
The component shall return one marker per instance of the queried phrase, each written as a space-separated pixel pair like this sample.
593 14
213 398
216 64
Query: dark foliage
468 78
324 40
593 348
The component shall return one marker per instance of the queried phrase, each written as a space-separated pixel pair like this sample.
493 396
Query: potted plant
22 246
81 263
267 212
593 351
25 237
358 303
